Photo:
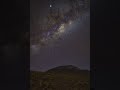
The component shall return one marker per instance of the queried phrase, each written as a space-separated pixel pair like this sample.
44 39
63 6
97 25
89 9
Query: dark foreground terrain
60 78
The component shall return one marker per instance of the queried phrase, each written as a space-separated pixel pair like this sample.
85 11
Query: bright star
50 5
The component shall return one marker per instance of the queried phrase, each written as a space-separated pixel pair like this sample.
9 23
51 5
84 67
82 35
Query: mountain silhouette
66 69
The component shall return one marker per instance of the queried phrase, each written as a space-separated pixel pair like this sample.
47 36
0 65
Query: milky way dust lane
57 30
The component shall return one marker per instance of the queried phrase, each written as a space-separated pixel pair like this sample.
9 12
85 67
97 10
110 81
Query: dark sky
73 49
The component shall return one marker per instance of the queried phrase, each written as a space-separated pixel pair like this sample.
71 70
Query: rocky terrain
60 78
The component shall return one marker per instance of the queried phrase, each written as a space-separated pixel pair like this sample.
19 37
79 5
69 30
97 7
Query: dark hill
67 69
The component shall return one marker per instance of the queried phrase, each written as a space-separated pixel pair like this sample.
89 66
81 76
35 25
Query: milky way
51 46
55 32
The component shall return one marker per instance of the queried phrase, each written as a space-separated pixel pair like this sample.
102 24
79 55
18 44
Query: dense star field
56 23
59 34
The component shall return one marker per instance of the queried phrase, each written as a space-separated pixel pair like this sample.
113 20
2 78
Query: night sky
72 49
